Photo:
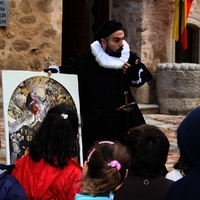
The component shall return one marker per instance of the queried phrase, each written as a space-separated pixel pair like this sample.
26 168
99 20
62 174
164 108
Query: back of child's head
107 167
56 139
149 147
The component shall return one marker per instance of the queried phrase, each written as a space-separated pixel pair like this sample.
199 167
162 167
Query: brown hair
101 177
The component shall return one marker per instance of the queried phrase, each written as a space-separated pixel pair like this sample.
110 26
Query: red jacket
42 181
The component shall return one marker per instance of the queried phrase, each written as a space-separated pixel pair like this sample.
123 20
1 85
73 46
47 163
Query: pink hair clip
101 142
106 142
89 156
115 164
65 116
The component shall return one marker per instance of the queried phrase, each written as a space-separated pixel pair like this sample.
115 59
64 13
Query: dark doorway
81 18
190 55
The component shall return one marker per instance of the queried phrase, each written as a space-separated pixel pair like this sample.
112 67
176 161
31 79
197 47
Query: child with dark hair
104 171
49 171
149 147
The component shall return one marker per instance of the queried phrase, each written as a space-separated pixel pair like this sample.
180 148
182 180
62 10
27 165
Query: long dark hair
181 165
56 139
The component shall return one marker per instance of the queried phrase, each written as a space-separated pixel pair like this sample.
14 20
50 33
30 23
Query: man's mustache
120 49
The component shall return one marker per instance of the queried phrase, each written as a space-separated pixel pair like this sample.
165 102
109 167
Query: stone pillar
177 87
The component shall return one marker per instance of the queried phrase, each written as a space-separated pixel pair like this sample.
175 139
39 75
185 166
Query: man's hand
52 69
137 61
49 73
125 67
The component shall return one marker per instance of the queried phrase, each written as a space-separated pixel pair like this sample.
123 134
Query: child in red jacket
49 171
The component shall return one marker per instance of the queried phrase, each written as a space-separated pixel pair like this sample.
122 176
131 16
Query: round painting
28 106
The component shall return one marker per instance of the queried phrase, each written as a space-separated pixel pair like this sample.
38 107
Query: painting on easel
27 97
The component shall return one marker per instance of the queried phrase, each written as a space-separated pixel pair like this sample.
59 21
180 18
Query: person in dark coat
10 188
188 139
145 181
105 73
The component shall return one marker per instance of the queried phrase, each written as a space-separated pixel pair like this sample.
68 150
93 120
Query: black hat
107 29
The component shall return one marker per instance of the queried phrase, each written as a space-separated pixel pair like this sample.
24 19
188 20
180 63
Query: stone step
149 108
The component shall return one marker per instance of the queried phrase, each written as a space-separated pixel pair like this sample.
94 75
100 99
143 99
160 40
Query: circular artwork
28 106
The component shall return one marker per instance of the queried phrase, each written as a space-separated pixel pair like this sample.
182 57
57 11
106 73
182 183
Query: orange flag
185 10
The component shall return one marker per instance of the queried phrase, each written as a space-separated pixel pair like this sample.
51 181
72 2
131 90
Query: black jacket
103 88
101 93
142 188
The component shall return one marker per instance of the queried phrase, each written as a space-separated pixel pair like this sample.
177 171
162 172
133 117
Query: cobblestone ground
167 123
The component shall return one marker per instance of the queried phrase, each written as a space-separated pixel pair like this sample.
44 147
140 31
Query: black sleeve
137 74
78 63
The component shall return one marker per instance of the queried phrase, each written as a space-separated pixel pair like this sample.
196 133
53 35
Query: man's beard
110 52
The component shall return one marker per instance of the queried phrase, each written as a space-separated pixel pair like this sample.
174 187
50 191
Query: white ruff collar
107 61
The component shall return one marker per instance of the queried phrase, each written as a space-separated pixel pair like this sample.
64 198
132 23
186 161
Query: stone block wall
148 31
32 39
178 87
148 26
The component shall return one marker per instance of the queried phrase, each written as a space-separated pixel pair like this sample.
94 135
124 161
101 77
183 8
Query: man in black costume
105 73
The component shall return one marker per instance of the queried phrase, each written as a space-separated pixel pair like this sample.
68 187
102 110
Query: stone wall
148 31
178 87
148 26
32 39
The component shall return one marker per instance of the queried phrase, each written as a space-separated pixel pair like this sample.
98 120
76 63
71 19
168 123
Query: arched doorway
81 18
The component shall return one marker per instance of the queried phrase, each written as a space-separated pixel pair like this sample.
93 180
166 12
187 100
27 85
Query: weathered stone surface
2 44
12 4
45 6
35 65
20 45
14 63
25 6
50 32
28 20
32 39
178 87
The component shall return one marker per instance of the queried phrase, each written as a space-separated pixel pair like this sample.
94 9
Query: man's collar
107 61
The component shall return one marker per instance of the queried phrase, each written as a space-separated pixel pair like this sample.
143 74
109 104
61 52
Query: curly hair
101 177
56 139
149 147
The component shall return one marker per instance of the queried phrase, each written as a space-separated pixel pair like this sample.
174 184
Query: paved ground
167 123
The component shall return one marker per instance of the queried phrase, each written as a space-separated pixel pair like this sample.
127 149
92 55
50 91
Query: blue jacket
10 189
88 197
188 139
